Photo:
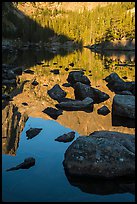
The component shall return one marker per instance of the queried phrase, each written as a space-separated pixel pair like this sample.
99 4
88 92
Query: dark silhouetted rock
124 77
56 92
52 112
28 71
75 105
66 84
32 132
77 76
71 64
102 154
103 110
116 84
55 71
34 83
82 91
68 137
25 104
28 162
124 105
66 68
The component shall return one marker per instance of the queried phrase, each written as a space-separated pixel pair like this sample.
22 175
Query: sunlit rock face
13 123
104 154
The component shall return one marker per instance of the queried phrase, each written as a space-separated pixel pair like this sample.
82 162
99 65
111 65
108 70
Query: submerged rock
103 154
28 162
56 92
124 105
52 112
32 132
66 137
75 105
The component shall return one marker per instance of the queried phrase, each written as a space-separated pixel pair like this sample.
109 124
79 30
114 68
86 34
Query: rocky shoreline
117 45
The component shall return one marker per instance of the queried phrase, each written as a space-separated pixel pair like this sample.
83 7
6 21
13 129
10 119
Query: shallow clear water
46 180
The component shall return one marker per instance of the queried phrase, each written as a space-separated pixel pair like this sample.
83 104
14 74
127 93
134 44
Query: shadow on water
29 31
102 186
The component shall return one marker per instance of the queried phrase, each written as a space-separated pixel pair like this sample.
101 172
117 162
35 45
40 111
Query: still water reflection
47 181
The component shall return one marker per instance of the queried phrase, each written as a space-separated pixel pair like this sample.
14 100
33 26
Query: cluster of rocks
105 154
85 95
124 100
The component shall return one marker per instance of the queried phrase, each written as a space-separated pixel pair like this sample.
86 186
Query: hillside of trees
108 23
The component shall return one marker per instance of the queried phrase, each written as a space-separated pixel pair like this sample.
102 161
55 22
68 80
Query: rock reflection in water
13 123
102 186
121 121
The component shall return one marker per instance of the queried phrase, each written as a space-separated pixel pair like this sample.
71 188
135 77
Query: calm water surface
46 181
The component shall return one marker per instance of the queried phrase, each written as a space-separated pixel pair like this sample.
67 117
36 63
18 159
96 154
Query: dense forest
114 21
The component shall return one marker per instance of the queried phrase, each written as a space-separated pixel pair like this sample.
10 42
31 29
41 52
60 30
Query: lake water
47 181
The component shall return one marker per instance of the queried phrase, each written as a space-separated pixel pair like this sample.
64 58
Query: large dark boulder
86 104
103 154
56 92
77 76
82 91
116 84
124 105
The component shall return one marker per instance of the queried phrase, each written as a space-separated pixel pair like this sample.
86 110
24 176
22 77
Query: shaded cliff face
13 123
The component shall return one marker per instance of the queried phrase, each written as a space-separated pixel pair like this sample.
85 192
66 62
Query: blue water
46 180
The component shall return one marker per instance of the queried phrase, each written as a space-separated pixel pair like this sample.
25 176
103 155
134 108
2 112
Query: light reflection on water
46 181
